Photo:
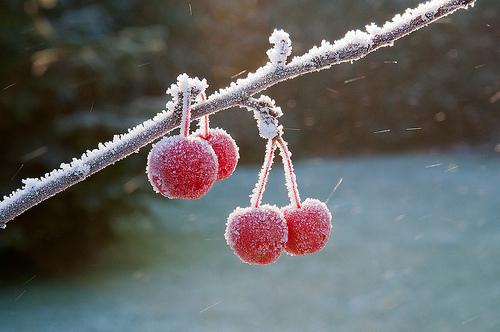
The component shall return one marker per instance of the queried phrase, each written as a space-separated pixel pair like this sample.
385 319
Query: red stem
260 186
290 178
186 113
205 127
204 122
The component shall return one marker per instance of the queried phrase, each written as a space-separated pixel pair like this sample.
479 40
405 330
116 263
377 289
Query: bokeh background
74 73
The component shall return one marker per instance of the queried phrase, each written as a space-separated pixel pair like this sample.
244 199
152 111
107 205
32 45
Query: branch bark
354 46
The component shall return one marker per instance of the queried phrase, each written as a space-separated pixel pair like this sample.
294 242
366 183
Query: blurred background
75 72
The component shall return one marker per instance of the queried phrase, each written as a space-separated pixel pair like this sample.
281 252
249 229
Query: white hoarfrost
266 113
376 37
35 190
282 47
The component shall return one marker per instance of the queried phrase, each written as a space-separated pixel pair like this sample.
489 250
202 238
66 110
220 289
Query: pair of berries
259 234
186 166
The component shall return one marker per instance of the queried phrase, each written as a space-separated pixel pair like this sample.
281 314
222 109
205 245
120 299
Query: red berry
182 167
257 235
308 227
225 148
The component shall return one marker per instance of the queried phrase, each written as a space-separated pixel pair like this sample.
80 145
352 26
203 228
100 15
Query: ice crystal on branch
266 113
183 93
282 47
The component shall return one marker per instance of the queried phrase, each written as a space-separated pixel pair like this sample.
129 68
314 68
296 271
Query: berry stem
186 113
205 127
290 178
260 186
204 122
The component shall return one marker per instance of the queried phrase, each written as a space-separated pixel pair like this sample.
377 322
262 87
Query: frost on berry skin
225 148
182 167
257 235
308 227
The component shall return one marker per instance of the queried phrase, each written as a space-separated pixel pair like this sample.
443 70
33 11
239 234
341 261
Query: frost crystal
266 113
183 93
359 43
282 47
186 84
268 125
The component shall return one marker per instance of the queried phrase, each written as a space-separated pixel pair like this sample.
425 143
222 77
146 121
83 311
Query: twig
354 46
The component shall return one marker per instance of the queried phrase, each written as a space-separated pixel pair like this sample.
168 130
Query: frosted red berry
308 227
225 148
182 167
257 235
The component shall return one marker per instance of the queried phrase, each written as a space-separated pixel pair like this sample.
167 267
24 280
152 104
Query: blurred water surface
415 247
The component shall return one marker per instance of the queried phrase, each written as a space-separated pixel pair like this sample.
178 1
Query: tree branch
354 46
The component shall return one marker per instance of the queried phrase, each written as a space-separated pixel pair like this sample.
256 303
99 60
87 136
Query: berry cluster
186 166
259 234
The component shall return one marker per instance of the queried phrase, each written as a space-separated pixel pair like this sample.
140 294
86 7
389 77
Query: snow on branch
266 113
282 48
355 45
183 93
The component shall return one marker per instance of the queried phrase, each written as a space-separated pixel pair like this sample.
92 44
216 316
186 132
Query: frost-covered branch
266 113
355 45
